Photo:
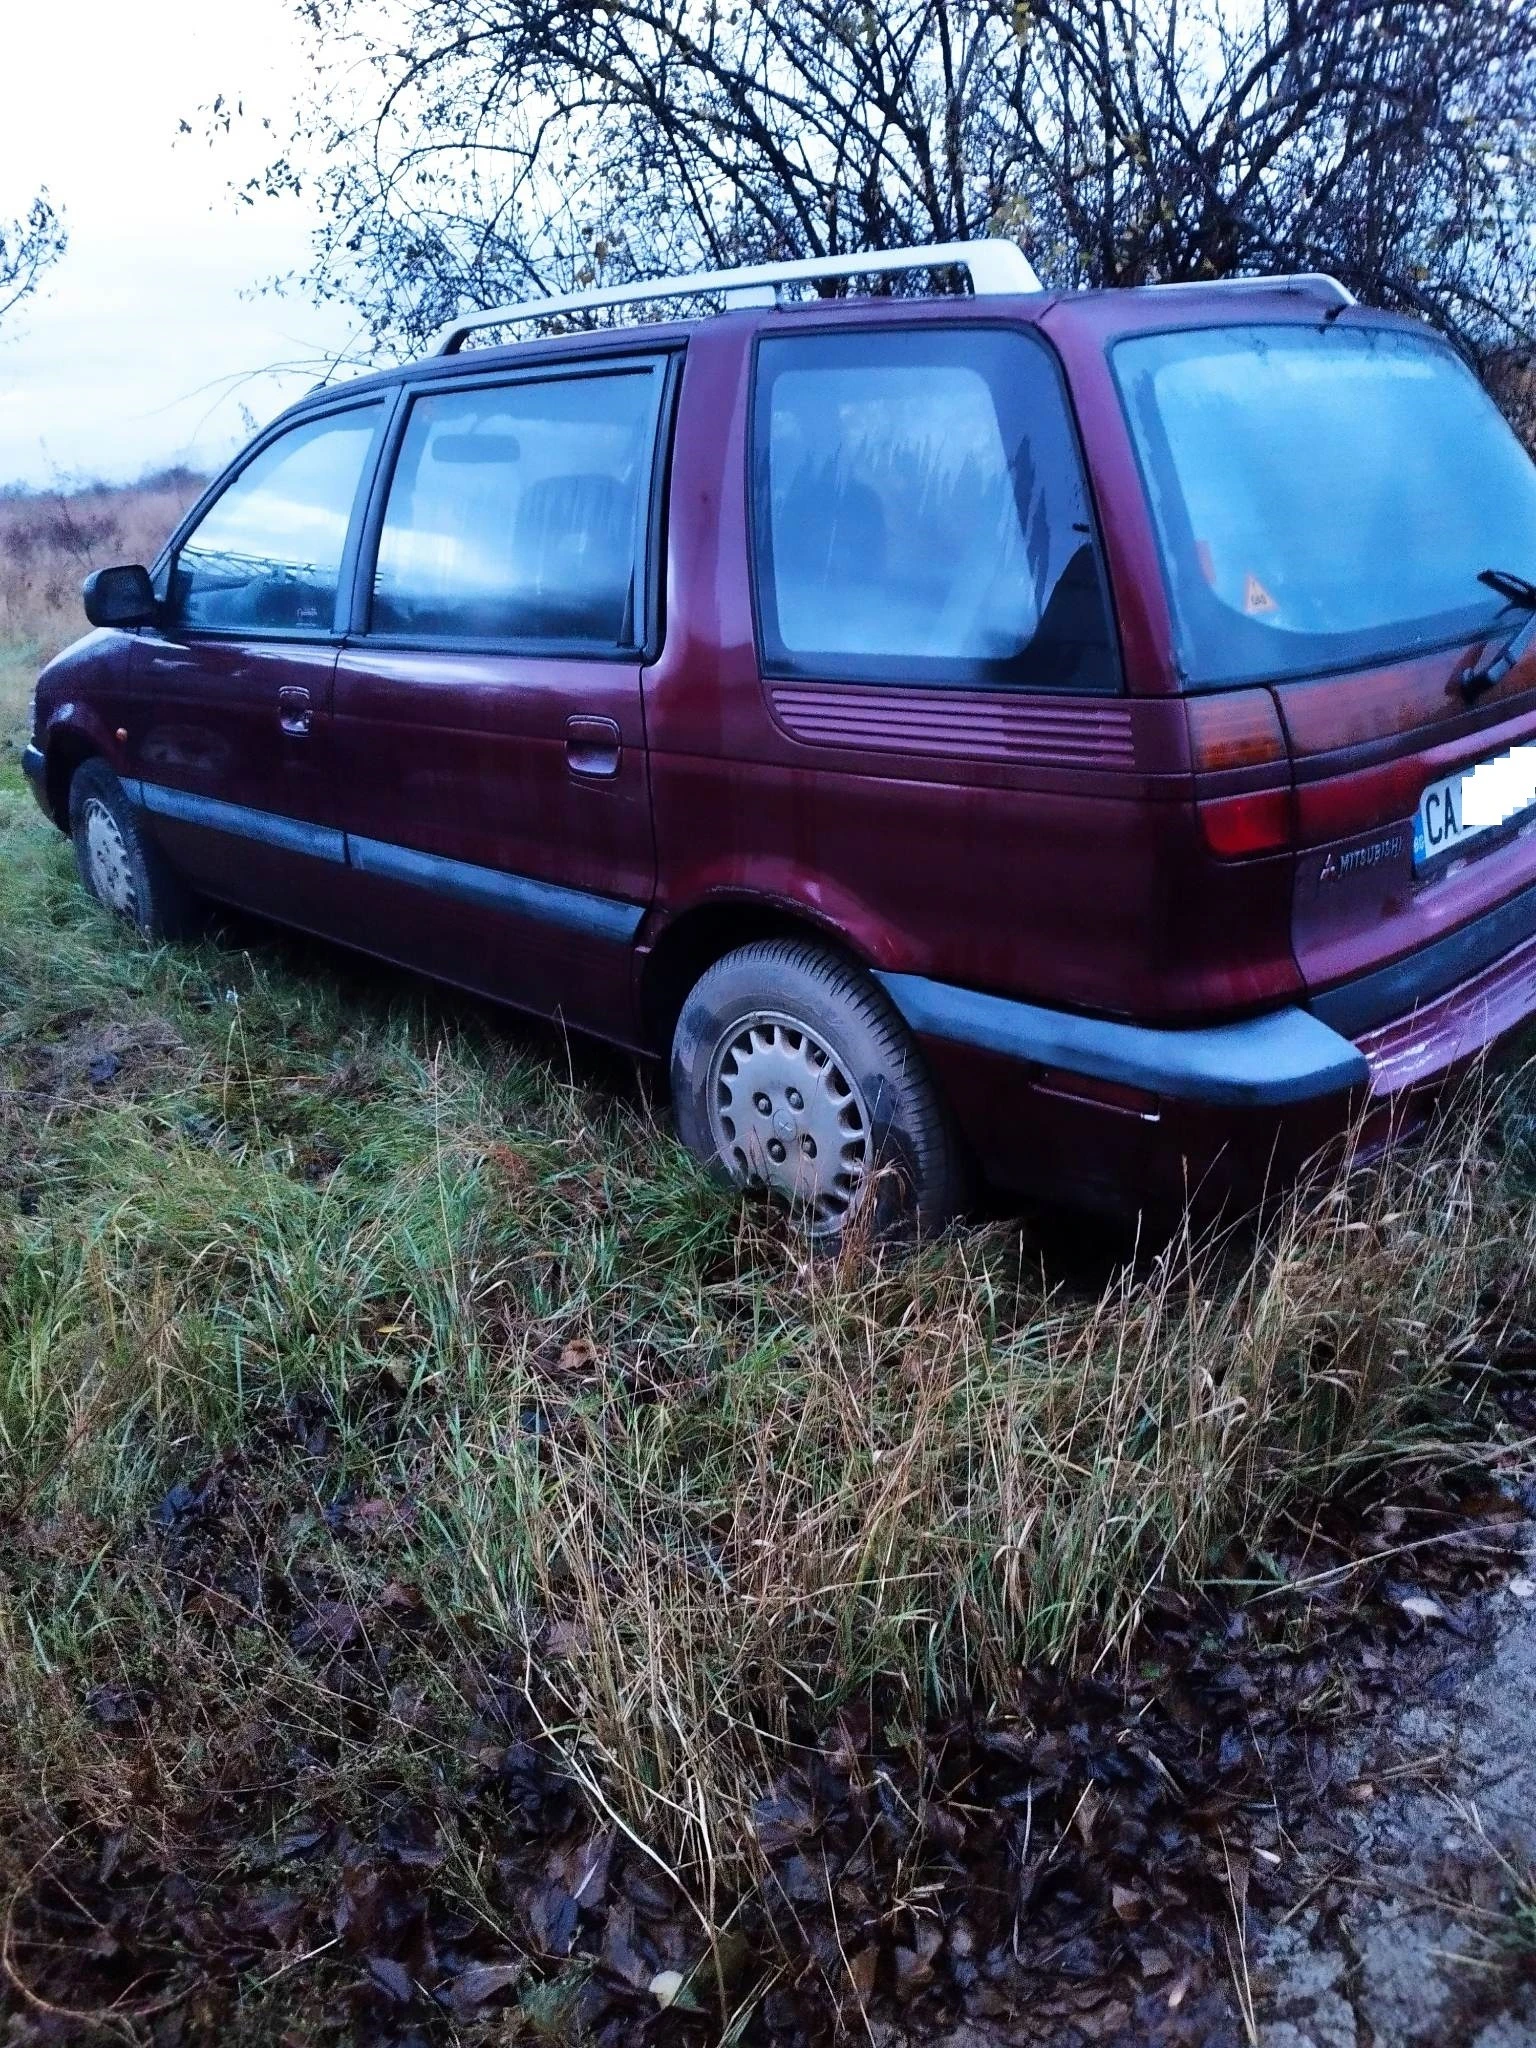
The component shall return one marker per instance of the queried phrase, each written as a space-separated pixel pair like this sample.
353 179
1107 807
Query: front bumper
35 767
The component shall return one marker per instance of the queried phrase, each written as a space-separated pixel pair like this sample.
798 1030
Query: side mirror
120 597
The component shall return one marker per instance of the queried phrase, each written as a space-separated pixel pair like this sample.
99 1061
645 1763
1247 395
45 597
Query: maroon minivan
1088 737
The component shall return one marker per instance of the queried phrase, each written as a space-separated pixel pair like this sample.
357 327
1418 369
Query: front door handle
593 747
294 710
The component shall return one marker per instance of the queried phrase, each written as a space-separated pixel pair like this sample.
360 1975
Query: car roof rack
997 269
1289 281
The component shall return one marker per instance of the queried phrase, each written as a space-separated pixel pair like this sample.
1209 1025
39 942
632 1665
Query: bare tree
28 247
487 147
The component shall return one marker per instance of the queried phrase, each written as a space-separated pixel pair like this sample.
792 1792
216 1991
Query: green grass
449 1311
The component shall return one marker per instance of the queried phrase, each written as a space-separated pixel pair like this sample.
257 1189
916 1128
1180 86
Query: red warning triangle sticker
1256 599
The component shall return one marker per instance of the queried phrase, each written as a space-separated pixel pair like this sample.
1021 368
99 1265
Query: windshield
1323 496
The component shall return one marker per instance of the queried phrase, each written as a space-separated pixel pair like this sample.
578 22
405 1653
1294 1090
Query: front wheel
791 1071
119 864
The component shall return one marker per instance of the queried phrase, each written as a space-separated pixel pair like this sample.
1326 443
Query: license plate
1473 802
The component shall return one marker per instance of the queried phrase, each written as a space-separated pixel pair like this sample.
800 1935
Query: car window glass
267 554
1323 496
517 512
921 513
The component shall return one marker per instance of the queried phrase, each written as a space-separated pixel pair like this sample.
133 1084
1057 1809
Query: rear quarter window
920 513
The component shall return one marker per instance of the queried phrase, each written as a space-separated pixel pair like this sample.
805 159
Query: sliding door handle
593 747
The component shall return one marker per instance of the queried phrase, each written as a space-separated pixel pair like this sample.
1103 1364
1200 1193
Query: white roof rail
1290 281
996 268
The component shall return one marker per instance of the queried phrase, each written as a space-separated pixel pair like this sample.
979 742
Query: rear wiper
1517 590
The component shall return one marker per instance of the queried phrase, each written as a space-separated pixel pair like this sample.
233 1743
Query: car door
490 746
228 746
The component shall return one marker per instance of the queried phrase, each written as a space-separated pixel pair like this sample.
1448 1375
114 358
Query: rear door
1344 518
490 744
229 734
1395 860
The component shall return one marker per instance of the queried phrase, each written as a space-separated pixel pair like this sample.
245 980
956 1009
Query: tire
791 1070
118 863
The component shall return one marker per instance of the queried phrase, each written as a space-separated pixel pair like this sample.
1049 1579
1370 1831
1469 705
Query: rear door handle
293 710
593 747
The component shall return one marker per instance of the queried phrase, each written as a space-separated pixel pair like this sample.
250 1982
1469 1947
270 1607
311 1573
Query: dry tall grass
51 540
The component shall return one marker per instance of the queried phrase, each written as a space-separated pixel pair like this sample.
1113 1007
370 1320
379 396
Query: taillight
1236 827
1234 730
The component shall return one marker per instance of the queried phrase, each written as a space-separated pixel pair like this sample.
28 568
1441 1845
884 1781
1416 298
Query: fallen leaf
861 1972
392 1978
1087 1811
565 1640
372 1514
914 1966
781 1821
1421 1607
482 1982
552 1914
334 1625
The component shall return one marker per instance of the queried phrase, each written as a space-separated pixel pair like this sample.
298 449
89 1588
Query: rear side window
266 556
517 512
920 513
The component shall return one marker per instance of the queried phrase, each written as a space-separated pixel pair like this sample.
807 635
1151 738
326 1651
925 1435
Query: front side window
920 513
267 554
1323 496
517 512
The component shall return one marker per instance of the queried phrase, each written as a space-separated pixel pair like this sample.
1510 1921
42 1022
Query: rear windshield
1324 497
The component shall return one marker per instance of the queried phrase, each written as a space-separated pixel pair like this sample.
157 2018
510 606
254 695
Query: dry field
50 541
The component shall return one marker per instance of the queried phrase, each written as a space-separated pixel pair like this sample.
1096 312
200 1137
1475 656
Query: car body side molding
295 835
601 917
1285 1056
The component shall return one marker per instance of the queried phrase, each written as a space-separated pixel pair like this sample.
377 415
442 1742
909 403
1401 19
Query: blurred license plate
1477 800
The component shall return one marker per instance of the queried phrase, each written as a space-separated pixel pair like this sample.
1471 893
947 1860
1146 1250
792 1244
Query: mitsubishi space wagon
1082 740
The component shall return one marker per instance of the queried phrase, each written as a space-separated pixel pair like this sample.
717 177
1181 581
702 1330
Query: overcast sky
149 337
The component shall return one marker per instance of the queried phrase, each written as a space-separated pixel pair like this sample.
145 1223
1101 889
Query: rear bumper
1118 1115
35 768
1438 1037
1268 1062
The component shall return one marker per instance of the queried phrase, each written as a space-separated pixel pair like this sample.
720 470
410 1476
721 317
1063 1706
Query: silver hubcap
785 1115
107 860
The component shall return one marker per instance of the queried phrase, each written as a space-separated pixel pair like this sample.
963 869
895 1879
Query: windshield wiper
1517 590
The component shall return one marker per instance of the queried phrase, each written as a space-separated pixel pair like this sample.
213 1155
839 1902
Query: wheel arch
690 944
68 751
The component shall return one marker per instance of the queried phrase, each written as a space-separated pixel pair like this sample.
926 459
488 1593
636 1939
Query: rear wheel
118 863
792 1072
